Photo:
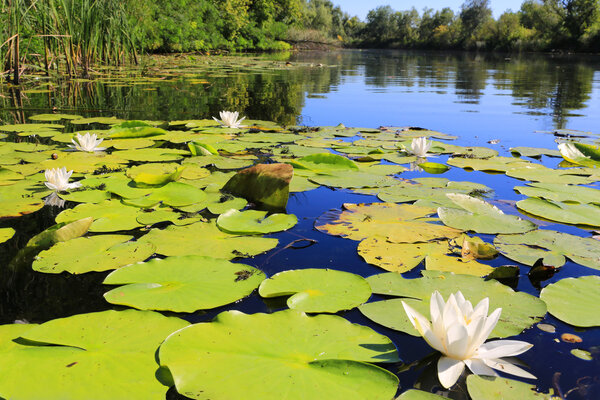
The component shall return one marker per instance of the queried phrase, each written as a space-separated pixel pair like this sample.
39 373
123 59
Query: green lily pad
550 246
561 192
109 216
567 213
493 164
329 354
219 162
155 173
109 354
433 168
97 120
85 162
174 194
534 152
399 223
182 284
351 180
251 222
30 128
413 394
151 154
53 117
20 199
519 310
86 196
205 239
481 217
317 290
540 173
6 234
574 300
497 388
95 253
325 163
582 354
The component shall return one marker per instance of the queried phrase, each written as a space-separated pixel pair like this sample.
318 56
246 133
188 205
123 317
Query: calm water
518 101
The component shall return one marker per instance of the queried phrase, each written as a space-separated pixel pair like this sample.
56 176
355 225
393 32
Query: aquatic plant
88 142
459 331
420 146
58 179
230 119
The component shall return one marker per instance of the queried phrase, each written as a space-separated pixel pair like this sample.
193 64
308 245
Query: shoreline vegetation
68 37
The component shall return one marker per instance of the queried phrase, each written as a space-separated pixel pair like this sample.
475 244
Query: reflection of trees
536 82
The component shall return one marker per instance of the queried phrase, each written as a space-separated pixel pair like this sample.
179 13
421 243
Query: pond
490 103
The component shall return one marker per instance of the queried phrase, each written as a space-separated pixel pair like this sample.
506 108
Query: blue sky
362 7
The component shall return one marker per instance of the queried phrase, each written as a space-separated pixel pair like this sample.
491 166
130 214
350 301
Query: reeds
70 34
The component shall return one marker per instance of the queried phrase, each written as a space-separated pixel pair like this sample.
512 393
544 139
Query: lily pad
481 217
561 192
325 352
53 117
519 310
457 265
251 222
182 284
567 213
155 173
325 163
317 290
205 239
95 253
550 246
174 194
399 223
6 234
398 257
109 216
574 300
413 394
110 354
497 388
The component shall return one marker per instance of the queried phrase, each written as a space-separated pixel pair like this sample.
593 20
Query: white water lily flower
58 179
88 142
420 147
459 331
230 119
570 152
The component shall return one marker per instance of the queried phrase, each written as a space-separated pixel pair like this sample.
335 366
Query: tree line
79 33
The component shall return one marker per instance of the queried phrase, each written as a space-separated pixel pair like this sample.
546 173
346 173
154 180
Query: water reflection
560 87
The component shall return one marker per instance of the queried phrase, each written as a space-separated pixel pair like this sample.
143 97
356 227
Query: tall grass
69 34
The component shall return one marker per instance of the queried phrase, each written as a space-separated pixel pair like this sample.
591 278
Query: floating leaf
6 234
325 163
551 247
582 214
95 253
433 168
561 192
329 354
174 194
182 284
398 257
155 173
317 290
109 354
204 238
109 216
413 394
534 152
519 310
493 164
540 173
53 117
574 300
457 265
481 217
497 388
251 222
396 222
582 354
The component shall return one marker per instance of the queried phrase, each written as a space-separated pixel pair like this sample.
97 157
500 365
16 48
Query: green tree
473 15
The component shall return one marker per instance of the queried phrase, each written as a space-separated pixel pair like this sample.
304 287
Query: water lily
88 142
58 179
459 331
420 146
230 119
570 152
